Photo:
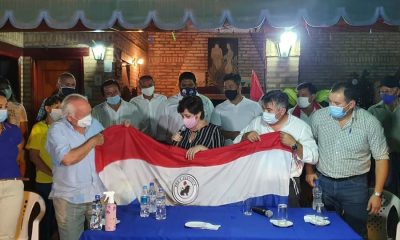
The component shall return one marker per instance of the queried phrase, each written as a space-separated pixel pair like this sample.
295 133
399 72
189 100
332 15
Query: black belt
341 179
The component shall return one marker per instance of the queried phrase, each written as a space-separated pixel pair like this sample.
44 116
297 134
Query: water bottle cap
151 184
97 197
144 187
317 182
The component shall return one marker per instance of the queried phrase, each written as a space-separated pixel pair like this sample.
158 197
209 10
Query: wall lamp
287 41
99 51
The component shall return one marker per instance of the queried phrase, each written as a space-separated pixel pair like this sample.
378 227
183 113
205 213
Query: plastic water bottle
161 210
97 212
317 194
152 195
144 203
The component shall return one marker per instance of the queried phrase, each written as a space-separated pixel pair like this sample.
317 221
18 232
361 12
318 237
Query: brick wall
167 58
329 57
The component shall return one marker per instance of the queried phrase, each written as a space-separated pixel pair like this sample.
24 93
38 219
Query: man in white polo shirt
236 112
148 103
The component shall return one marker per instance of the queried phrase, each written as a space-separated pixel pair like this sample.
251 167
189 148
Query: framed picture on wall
222 59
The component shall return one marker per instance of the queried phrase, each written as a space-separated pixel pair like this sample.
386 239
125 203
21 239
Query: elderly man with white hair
70 143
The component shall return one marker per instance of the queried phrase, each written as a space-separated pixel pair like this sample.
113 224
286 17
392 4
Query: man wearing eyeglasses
387 111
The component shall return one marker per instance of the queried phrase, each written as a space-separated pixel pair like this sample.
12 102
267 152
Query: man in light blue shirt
70 143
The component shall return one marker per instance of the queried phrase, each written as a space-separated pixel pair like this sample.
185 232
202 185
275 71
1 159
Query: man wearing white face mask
70 143
294 133
149 103
306 104
115 110
42 161
348 136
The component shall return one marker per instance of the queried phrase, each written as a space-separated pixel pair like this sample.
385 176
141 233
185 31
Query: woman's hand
177 137
193 150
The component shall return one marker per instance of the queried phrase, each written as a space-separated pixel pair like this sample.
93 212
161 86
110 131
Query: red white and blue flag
129 159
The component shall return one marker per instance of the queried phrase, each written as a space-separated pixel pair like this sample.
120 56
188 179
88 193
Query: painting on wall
222 59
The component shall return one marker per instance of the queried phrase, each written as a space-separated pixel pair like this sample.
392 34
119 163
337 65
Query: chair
30 199
378 224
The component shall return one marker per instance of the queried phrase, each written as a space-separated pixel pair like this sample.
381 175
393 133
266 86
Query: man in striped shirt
347 137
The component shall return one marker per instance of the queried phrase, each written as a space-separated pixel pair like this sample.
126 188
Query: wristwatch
378 194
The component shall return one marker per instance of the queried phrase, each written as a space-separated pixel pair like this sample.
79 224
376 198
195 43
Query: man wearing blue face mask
347 137
66 85
294 133
387 111
115 110
170 121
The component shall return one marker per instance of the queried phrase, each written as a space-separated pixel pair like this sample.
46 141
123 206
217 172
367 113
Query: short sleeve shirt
10 138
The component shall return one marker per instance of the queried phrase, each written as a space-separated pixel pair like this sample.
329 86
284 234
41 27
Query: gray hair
280 99
66 106
64 76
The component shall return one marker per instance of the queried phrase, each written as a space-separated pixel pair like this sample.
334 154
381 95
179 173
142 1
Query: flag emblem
185 189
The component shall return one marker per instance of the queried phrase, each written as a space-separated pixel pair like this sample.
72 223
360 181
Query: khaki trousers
11 196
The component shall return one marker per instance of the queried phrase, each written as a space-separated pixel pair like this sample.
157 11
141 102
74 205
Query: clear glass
247 204
282 214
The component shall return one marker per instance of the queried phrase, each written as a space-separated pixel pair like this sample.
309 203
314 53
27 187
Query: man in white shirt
306 104
236 111
115 110
149 103
294 133
170 121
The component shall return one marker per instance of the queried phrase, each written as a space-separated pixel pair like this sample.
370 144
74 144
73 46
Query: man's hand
310 179
252 136
193 150
287 139
98 139
374 204
126 123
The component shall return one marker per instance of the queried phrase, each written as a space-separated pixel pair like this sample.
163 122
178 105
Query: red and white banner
129 159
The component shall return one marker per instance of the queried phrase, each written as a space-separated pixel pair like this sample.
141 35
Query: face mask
337 112
85 122
188 92
303 102
269 118
67 91
231 94
56 114
388 99
7 92
148 91
190 122
114 100
3 115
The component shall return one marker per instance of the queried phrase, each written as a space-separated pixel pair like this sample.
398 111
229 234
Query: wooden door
46 76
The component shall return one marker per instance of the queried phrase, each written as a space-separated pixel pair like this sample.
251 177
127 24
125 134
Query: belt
14 179
341 179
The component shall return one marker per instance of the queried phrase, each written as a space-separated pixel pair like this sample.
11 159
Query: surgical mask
56 114
67 91
188 92
303 102
114 100
231 94
190 122
85 122
148 91
337 112
3 115
269 118
7 92
388 99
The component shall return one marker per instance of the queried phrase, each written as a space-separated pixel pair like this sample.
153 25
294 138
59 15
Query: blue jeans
348 197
